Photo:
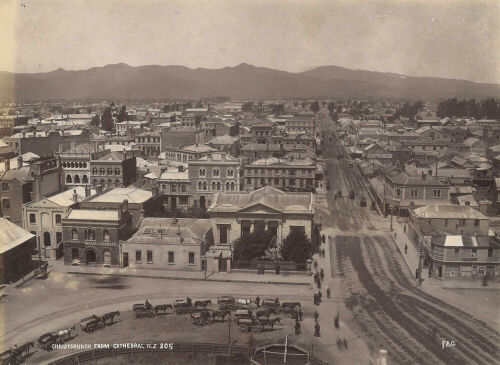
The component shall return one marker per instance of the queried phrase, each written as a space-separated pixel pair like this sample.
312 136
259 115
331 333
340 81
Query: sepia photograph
249 182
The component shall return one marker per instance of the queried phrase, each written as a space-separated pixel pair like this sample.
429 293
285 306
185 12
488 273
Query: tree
122 115
107 120
296 247
315 106
252 245
96 121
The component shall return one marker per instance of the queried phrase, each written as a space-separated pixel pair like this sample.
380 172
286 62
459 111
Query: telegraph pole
420 259
392 207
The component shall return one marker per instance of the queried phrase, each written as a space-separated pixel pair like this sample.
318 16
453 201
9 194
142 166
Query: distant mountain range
121 81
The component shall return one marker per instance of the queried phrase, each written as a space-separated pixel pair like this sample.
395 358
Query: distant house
16 247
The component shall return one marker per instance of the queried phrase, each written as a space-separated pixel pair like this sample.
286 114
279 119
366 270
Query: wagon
272 306
249 324
90 324
288 307
48 339
141 311
183 306
243 303
226 302
202 318
243 313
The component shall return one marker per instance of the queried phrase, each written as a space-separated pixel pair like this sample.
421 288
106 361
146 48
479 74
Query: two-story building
456 241
91 237
148 143
115 169
175 187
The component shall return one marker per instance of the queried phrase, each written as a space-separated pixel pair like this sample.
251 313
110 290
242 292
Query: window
173 188
446 222
171 257
218 185
183 188
490 252
456 252
107 257
476 222
32 218
249 181
117 171
437 193
69 180
6 204
105 235
230 172
398 192
227 185
413 193
58 219
461 222
199 185
85 179
149 256
216 172
77 179
474 252
102 171
138 256
191 258
202 172
94 171
110 171
74 234
214 185
5 186
90 234
223 234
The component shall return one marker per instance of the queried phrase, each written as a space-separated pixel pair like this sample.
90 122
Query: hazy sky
452 38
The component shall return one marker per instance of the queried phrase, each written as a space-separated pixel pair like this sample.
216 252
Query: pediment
259 208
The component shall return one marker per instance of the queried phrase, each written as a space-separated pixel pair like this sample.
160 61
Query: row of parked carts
249 315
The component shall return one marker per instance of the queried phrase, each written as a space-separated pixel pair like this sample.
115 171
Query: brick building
115 169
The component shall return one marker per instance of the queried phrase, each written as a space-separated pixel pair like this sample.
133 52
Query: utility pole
229 329
420 259
39 253
392 207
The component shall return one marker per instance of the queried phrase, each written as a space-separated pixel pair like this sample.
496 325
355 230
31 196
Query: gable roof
444 211
11 235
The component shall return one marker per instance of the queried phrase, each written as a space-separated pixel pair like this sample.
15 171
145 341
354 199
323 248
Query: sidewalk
400 238
248 277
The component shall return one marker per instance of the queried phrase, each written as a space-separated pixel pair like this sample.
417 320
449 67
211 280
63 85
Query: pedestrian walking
316 330
328 292
345 343
320 295
316 265
406 248
337 319
315 296
257 302
322 274
301 314
323 238
316 316
319 284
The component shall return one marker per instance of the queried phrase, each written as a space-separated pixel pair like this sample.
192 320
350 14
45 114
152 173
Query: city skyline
418 38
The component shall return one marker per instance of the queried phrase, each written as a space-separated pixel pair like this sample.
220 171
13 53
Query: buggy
249 324
92 323
202 318
142 310
271 306
48 339
183 306
226 302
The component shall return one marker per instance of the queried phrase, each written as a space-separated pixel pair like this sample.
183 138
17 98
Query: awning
213 253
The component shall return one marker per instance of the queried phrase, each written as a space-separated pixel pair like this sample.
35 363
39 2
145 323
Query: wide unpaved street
383 305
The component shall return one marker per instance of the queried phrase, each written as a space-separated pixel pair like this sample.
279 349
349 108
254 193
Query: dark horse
202 303
162 307
111 316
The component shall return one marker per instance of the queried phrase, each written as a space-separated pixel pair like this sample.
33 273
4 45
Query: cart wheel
243 328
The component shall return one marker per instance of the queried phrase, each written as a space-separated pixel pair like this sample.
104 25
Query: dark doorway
202 202
222 265
46 239
91 257
174 203
125 259
440 271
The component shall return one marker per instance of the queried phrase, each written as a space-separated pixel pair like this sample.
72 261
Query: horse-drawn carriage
16 355
271 305
202 318
243 313
288 307
162 307
202 304
92 323
47 340
226 302
220 315
41 272
249 325
268 323
183 306
143 310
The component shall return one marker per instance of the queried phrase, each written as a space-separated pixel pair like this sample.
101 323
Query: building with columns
234 214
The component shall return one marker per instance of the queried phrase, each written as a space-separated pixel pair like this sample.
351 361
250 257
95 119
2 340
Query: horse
162 307
263 313
65 333
202 303
22 351
110 316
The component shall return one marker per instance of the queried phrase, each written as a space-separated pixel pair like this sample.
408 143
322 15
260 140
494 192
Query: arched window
94 171
232 186
117 171
227 185
199 185
84 165
72 165
183 188
202 172
216 172
218 185
204 185
58 219
214 185
64 164
105 235
110 171
230 172
102 171
68 179
77 179
85 179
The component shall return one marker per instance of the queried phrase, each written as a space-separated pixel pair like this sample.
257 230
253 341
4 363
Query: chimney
75 197
125 205
87 191
19 162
